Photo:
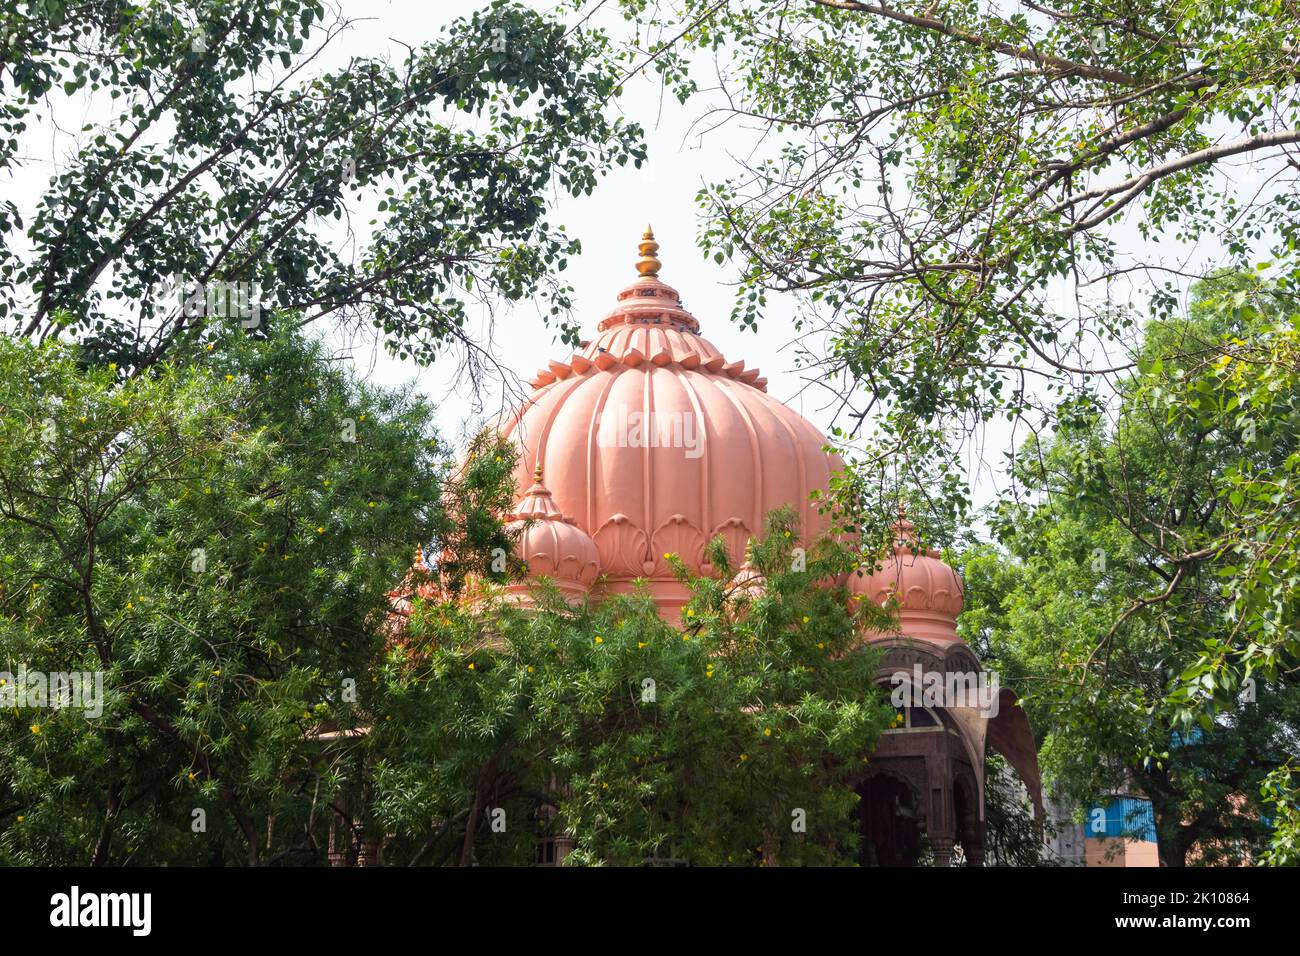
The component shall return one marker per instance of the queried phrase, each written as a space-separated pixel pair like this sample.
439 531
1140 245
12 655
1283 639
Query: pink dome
929 591
551 544
656 443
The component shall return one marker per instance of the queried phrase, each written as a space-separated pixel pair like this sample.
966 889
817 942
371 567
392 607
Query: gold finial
419 555
648 265
537 472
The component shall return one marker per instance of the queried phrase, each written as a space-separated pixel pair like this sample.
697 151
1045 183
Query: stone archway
891 821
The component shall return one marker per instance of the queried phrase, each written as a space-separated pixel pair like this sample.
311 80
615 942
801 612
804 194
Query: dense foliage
214 538
1136 618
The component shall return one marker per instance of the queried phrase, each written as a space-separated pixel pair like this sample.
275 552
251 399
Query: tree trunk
110 823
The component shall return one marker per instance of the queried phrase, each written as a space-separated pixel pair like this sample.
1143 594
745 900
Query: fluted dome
656 443
929 591
551 543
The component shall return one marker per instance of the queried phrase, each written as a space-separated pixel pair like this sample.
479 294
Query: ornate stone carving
677 536
624 548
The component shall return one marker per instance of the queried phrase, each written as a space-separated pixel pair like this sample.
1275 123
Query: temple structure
649 441
653 442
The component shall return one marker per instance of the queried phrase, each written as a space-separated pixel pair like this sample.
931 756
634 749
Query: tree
215 540
224 177
1280 795
1013 836
946 187
1122 620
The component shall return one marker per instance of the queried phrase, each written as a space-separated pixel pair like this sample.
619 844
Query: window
918 719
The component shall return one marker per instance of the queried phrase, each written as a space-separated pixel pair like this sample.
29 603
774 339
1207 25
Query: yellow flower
767 731
371 505
21 818
362 418
640 644
604 786
191 774
599 639
320 530
530 668
471 666
129 605
787 534
805 618
326 482
36 728
230 378
112 366
744 757
690 613
200 685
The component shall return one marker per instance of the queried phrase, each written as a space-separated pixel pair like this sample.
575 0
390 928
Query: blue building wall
1128 817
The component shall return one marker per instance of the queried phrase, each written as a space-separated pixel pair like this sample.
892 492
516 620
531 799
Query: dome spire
903 528
648 265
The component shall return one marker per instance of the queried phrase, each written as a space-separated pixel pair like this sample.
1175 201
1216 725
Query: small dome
419 582
748 581
929 591
551 543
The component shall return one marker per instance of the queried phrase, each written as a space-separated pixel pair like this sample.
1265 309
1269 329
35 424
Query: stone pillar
942 850
563 847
